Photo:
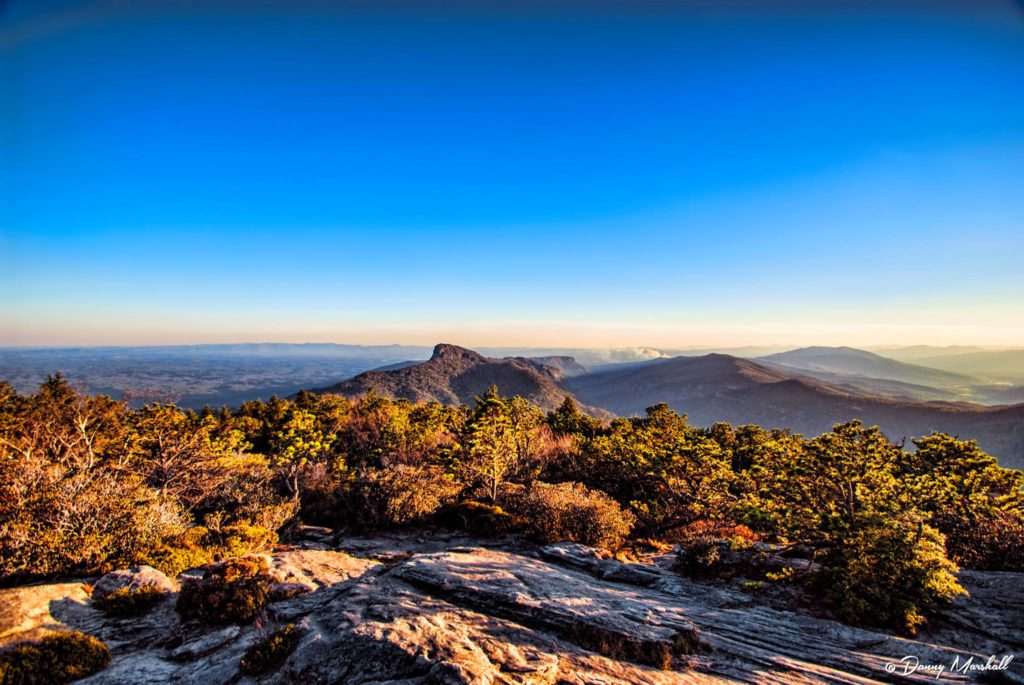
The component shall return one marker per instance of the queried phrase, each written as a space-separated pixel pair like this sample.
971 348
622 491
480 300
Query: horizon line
890 346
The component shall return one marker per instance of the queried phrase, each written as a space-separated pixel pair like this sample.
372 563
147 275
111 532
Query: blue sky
668 174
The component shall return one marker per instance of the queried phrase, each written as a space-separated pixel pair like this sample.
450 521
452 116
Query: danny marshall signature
910 665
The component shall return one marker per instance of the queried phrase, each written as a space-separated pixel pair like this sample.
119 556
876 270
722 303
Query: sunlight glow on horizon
605 335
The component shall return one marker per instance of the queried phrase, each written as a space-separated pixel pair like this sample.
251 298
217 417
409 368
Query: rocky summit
410 610
455 375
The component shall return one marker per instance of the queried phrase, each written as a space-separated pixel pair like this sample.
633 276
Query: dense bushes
977 505
398 496
65 503
87 483
849 498
571 511
200 545
992 542
887 572
56 658
130 601
99 519
234 591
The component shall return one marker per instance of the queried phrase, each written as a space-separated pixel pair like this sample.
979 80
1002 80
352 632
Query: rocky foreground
407 610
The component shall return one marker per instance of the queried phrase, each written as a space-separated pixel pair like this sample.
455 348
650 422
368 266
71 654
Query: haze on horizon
681 174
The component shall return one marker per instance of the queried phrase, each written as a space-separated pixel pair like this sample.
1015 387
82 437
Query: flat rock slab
28 612
314 569
610 620
756 643
992 615
564 615
385 630
132 578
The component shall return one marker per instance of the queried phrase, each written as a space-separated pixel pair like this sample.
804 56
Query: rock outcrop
444 612
133 579
28 612
454 375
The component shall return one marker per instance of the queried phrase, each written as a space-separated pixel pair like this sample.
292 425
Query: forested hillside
87 483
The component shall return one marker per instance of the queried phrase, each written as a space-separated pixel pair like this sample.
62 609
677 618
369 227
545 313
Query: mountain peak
454 375
449 351
826 350
717 356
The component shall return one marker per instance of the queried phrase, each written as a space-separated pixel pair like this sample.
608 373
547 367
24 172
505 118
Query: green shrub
783 576
888 572
128 601
175 557
234 591
400 495
271 651
200 545
57 658
237 539
80 522
705 555
481 518
571 511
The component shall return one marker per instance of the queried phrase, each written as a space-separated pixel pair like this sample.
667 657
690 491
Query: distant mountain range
867 372
908 391
936 374
234 350
990 365
807 390
848 361
1005 365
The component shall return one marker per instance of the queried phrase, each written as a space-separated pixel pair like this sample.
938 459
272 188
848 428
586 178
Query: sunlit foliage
87 483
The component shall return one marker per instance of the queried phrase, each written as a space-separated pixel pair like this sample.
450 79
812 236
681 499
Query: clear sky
564 173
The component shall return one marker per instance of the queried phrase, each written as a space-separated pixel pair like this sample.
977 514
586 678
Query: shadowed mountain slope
568 366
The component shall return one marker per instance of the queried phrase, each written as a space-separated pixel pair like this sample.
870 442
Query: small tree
298 442
837 478
568 419
491 453
671 473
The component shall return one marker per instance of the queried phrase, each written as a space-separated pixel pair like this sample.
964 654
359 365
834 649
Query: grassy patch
58 658
271 651
127 601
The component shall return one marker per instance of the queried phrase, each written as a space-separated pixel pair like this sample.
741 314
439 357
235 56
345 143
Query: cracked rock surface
446 612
